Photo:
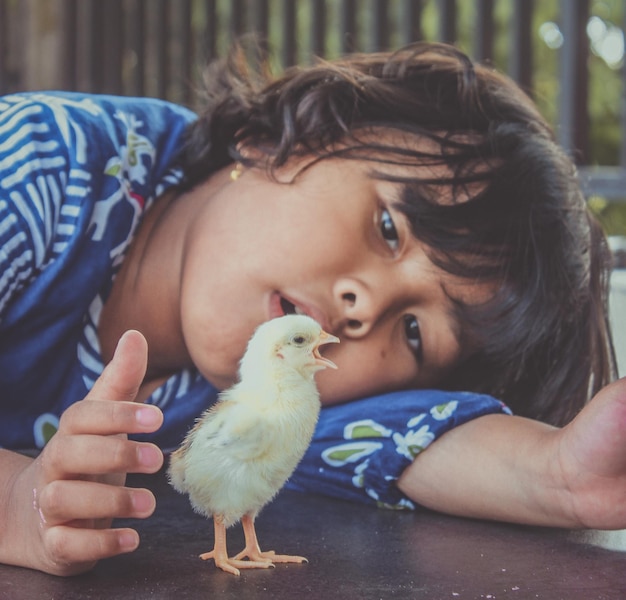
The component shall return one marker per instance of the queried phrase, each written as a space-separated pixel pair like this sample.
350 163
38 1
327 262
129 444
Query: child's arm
514 469
56 511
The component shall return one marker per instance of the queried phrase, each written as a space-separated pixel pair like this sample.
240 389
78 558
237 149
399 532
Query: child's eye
413 335
388 230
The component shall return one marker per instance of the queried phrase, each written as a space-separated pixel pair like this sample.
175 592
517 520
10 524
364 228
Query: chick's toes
232 565
253 552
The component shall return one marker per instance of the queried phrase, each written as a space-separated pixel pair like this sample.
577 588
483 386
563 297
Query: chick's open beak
325 338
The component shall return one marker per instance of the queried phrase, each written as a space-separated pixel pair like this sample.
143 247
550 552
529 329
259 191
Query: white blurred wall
617 305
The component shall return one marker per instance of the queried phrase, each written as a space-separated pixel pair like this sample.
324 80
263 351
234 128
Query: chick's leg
220 553
253 551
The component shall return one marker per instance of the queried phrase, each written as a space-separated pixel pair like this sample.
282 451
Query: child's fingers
69 548
98 455
110 418
122 377
62 502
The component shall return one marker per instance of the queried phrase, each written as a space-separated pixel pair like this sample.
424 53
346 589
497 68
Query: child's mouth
280 306
289 308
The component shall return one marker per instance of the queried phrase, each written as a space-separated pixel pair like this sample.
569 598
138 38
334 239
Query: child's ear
249 155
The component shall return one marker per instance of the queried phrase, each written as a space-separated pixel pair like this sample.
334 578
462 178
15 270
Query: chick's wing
236 428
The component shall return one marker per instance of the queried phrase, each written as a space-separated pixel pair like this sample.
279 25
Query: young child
413 203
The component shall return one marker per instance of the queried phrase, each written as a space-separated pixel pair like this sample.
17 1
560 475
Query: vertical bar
521 52
136 47
574 88
186 53
93 46
259 24
447 21
210 40
113 39
237 17
483 50
347 24
318 28
261 18
289 32
411 26
4 48
69 40
162 42
380 25
622 112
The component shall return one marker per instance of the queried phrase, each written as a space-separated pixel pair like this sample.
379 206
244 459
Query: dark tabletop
354 552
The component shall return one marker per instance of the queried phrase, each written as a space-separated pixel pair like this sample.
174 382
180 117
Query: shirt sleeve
361 448
78 169
33 173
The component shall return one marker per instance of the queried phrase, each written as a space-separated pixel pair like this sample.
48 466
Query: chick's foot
232 565
220 553
255 555
253 552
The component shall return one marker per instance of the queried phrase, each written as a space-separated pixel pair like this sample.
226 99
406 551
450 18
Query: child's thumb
123 376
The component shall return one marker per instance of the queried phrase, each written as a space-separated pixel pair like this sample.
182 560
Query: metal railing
157 48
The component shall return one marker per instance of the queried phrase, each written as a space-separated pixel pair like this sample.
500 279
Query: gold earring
236 172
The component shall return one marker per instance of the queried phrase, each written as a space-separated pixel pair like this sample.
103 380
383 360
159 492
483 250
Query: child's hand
593 460
64 501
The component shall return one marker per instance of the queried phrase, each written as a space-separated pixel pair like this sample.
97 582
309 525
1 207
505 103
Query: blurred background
567 54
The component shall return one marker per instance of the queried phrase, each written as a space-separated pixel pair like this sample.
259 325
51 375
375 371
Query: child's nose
358 307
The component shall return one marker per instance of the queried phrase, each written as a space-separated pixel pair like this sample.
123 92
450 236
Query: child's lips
276 308
280 306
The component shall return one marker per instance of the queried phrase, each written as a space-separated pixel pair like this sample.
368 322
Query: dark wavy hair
516 218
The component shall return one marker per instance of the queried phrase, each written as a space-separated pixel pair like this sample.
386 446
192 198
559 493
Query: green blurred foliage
606 83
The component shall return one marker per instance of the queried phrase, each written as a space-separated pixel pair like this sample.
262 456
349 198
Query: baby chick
242 450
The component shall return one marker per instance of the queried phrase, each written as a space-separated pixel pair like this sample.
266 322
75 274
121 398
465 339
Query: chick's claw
255 555
220 552
252 550
232 565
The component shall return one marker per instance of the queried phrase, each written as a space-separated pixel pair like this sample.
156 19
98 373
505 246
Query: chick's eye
298 340
388 230
413 335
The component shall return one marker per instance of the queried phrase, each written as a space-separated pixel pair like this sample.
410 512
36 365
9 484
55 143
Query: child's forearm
494 467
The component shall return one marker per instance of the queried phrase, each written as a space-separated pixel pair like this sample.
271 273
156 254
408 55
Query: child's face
331 245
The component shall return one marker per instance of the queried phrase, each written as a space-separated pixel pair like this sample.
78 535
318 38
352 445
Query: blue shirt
77 173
